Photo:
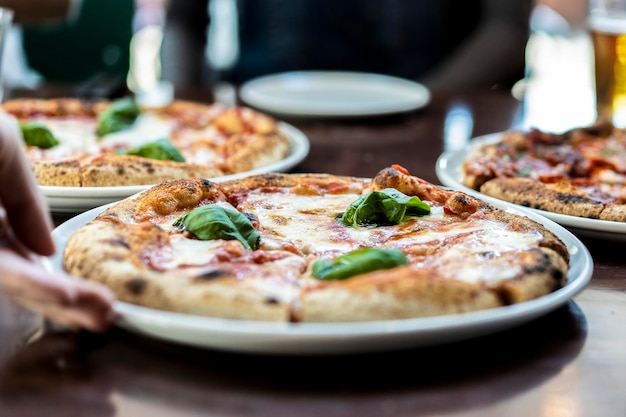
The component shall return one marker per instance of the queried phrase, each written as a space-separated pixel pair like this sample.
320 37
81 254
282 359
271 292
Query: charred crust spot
572 199
119 242
120 170
272 179
295 316
504 296
148 166
541 265
207 183
557 274
271 300
211 275
136 286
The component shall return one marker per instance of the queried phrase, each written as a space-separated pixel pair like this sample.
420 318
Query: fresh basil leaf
358 262
37 134
118 116
385 207
161 149
213 222
112 124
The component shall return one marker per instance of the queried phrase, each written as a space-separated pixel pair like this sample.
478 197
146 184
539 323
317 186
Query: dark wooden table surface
568 363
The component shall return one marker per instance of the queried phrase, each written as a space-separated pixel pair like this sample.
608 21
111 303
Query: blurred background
539 50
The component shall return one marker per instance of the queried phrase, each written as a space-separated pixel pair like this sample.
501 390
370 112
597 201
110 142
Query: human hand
25 236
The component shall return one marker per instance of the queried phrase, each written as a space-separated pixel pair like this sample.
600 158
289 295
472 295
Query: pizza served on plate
81 143
581 172
316 248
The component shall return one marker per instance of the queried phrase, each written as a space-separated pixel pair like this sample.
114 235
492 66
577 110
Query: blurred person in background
443 43
15 69
42 11
68 41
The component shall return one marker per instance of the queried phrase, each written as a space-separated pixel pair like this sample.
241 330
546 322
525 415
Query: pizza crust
396 294
249 152
64 173
557 198
119 170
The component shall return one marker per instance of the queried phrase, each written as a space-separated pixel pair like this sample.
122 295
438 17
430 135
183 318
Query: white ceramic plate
333 94
78 199
448 170
334 338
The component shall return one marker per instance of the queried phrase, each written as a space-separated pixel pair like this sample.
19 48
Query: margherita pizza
580 173
316 248
79 143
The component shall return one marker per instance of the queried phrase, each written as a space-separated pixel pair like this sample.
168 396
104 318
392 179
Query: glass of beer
607 23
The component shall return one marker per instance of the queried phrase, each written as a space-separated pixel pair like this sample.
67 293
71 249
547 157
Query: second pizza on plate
80 143
581 172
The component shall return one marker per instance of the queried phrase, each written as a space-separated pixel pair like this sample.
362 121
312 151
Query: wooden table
569 363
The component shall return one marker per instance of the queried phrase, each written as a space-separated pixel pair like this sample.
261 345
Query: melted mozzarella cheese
77 136
202 156
472 250
483 256
146 128
310 223
191 252
201 146
307 221
276 279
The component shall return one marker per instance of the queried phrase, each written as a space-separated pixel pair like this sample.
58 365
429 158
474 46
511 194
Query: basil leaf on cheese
358 262
213 222
385 207
161 149
37 134
118 116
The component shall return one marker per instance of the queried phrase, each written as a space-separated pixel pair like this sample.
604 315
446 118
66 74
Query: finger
95 302
25 206
88 311
21 277
73 318
59 297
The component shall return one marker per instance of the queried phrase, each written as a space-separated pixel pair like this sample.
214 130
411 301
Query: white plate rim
81 197
448 170
339 338
256 92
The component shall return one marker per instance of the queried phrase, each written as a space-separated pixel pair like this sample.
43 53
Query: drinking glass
607 25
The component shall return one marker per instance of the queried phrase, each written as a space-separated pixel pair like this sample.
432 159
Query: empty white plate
333 94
